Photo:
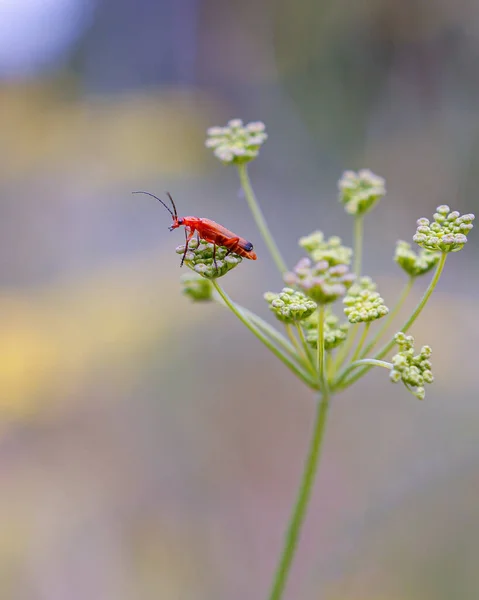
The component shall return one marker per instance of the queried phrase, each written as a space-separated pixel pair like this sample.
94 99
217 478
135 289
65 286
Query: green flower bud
322 282
290 306
366 283
197 288
200 259
360 191
363 304
447 233
236 143
413 370
334 332
331 250
415 264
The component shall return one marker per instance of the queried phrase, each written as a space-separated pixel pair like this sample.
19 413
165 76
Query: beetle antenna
172 203
159 200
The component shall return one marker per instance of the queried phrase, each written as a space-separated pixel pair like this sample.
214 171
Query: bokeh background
150 448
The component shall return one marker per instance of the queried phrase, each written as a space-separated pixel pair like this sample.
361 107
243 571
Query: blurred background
150 448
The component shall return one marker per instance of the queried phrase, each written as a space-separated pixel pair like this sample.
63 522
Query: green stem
269 330
371 362
321 366
361 342
265 327
390 317
346 347
295 353
283 357
417 311
407 325
300 350
306 346
259 218
358 243
295 350
302 501
329 366
294 340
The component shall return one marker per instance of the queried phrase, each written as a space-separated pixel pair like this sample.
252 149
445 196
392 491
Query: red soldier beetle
207 230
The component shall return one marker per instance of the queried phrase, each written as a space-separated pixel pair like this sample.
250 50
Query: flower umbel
200 259
447 233
360 191
326 353
290 306
320 281
331 250
236 143
413 370
363 304
196 287
415 264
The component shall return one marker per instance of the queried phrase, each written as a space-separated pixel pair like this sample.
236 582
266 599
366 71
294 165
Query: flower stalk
358 243
260 219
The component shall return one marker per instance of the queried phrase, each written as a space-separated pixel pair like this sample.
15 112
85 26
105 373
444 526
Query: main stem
259 218
304 495
309 473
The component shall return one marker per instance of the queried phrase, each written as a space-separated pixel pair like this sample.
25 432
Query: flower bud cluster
447 233
331 249
236 143
197 288
290 306
413 370
320 280
199 258
415 264
363 304
360 191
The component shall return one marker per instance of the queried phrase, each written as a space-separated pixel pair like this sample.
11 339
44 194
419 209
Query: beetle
207 230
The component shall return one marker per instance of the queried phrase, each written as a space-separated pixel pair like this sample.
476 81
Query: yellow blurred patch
137 135
52 338
28 355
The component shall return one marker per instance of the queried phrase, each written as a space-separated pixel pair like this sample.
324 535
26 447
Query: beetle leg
188 236
230 244
214 256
